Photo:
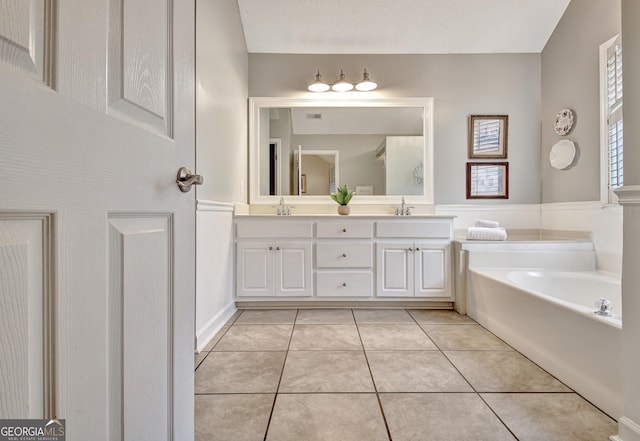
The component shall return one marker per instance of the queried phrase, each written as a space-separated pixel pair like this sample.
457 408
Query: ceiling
399 26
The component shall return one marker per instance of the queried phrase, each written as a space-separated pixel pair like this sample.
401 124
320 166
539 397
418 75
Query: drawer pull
344 284
344 230
344 255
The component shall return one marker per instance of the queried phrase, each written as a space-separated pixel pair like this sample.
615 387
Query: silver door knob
186 179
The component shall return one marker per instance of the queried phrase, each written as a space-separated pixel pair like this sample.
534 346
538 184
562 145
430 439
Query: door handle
186 179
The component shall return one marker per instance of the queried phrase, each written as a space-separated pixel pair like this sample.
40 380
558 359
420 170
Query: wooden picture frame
488 136
487 180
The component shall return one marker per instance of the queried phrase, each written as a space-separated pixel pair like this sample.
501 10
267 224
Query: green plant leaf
342 195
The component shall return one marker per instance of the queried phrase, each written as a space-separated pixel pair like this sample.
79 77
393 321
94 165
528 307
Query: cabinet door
432 269
254 269
293 277
394 274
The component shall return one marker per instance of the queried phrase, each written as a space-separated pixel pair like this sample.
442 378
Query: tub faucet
604 307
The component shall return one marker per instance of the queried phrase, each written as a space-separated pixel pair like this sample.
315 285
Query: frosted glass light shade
366 84
318 85
342 85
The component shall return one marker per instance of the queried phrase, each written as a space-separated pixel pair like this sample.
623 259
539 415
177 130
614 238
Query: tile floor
368 375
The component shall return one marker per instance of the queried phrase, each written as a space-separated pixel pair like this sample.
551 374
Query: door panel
395 270
432 270
25 315
254 269
293 269
139 347
139 58
25 36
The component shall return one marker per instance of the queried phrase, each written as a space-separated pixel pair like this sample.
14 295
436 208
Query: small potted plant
342 196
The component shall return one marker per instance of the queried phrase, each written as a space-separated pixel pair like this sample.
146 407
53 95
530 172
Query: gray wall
461 85
221 101
570 78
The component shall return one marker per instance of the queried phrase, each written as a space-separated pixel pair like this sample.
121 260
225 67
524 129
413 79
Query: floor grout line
373 380
284 363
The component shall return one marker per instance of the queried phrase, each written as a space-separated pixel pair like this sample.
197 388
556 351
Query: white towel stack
486 230
483 223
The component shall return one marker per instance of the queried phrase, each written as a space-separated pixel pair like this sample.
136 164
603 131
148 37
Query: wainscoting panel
140 298
522 217
26 36
26 316
603 221
141 63
215 301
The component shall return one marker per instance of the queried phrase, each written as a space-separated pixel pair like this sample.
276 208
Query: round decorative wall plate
562 154
564 122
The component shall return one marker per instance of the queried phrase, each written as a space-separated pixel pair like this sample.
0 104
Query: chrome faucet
604 307
403 209
282 209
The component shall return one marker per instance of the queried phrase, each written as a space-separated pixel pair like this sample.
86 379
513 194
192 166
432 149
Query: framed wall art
487 180
488 136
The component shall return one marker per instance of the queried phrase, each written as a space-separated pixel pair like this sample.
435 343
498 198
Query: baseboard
314 303
211 328
627 430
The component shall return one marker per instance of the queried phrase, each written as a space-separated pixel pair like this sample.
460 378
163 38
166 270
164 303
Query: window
612 170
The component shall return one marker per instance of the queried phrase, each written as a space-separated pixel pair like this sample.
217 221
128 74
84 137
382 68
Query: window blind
486 135
614 115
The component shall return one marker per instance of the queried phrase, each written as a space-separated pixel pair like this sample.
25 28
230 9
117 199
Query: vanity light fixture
342 85
318 85
366 84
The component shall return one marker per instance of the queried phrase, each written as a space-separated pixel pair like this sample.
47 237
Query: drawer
345 229
415 229
344 284
281 228
341 255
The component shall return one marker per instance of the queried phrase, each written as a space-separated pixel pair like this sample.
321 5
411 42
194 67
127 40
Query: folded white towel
487 223
484 233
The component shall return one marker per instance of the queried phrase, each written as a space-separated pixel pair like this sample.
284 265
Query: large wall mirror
302 149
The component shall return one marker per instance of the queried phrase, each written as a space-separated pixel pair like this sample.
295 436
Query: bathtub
548 315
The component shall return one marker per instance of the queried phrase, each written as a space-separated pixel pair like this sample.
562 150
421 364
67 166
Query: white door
96 240
254 269
293 269
395 269
432 269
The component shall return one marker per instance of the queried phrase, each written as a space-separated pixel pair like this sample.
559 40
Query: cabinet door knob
344 284
344 255
344 230
277 248
417 248
410 249
270 248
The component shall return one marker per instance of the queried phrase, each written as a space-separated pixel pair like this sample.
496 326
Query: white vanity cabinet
336 259
277 265
413 259
414 269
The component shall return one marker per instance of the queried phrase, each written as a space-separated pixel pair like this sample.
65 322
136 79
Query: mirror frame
258 103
